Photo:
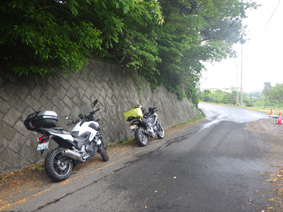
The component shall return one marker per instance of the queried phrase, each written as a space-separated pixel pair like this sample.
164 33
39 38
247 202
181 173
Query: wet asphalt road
213 165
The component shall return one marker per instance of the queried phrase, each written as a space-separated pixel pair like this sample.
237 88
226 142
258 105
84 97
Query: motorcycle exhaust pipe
72 154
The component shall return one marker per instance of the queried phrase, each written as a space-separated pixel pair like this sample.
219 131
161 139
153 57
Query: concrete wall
116 91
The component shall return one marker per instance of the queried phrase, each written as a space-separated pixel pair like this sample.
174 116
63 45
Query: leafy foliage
166 42
228 96
270 96
195 32
273 94
40 36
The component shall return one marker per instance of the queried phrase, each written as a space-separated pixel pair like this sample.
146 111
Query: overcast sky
262 54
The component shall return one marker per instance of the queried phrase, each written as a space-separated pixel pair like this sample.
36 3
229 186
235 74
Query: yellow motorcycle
144 124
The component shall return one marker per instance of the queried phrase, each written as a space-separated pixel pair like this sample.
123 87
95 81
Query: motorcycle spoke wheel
58 167
141 137
161 132
61 166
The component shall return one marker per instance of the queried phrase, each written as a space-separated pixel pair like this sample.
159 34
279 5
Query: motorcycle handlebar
154 109
94 111
73 122
90 116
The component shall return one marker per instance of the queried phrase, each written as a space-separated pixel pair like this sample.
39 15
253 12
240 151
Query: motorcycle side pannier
41 119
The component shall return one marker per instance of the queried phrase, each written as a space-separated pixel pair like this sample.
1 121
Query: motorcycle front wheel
57 166
160 133
141 137
103 153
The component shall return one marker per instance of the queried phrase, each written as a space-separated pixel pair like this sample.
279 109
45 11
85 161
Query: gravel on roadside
269 125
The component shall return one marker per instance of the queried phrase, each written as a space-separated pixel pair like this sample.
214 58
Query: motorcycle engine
155 129
89 147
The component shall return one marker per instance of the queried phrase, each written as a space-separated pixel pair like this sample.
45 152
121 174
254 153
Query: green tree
205 96
226 96
267 86
230 97
195 32
276 94
167 42
46 36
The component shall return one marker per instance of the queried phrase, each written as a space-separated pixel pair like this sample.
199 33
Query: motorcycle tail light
42 139
134 123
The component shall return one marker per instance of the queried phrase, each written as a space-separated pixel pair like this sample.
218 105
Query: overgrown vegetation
195 118
271 96
226 96
166 42
122 140
38 167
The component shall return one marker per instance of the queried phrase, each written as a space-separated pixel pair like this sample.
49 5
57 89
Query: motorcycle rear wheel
141 137
103 153
160 133
57 166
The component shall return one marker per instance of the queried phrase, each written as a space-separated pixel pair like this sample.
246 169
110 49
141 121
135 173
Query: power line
272 14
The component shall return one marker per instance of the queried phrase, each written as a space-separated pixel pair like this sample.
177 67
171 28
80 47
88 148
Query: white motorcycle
76 147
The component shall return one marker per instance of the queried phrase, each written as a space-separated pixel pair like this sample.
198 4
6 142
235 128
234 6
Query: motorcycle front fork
102 142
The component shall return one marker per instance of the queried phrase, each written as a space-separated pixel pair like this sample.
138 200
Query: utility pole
242 71
237 83
237 98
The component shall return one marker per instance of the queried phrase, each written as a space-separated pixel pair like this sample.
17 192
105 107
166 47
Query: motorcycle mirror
94 103
97 120
65 117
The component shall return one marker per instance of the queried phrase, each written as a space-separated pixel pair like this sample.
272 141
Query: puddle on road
215 121
216 113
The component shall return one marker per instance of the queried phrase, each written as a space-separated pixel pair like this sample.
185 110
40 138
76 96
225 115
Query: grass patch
123 140
266 110
196 118
37 167
108 145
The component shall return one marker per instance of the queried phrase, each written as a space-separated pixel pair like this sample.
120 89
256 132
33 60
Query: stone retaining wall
116 91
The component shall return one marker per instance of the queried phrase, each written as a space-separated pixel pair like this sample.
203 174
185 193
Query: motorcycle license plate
42 146
132 127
